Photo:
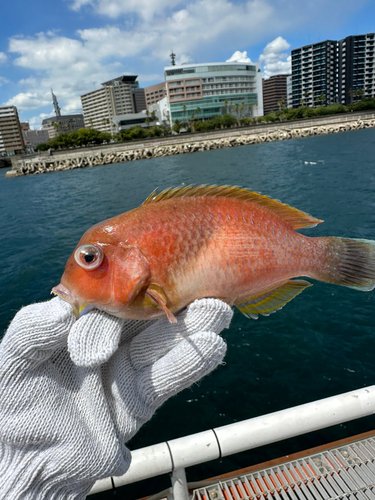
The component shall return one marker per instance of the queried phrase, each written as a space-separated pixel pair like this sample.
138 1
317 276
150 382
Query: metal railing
176 455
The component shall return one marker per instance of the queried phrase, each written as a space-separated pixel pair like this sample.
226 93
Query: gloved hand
72 393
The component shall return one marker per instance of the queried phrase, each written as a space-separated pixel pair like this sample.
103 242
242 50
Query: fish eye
89 257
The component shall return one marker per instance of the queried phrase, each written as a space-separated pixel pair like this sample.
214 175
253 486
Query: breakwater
180 145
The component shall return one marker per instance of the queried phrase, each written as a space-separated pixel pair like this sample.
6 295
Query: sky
72 46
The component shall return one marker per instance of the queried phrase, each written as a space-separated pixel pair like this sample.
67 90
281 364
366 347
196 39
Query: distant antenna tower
173 58
55 104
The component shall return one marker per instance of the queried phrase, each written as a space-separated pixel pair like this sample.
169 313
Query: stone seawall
72 160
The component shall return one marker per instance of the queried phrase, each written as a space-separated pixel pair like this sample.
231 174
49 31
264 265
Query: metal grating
346 472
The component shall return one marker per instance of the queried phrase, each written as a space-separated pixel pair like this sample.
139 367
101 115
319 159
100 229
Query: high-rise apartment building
334 71
356 68
211 89
114 98
314 69
11 140
275 94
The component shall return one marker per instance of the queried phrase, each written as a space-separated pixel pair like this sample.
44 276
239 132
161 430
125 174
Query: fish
207 241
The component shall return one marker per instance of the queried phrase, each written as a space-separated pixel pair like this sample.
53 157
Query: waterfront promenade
187 143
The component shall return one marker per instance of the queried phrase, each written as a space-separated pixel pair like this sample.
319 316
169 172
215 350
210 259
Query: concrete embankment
116 153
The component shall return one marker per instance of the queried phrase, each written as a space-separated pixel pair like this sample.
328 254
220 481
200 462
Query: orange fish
207 241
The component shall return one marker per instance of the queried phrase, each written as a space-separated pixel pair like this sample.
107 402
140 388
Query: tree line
90 136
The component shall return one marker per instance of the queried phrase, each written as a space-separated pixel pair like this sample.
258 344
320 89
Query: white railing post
179 485
177 454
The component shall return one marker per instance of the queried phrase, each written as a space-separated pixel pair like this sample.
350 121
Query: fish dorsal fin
296 218
273 300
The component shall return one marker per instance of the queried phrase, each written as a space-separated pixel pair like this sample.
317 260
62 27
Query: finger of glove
39 329
192 359
161 336
94 338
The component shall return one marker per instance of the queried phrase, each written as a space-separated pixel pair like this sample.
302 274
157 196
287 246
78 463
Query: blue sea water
319 345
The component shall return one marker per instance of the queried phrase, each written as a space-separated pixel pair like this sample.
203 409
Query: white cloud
28 100
138 36
3 80
275 60
146 9
239 56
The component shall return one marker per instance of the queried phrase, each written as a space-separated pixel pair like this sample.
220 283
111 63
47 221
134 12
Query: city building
289 92
139 99
34 137
11 140
129 120
162 111
334 71
356 68
275 93
155 93
314 69
120 96
211 89
60 124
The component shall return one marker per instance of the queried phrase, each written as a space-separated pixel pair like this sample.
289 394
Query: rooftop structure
11 140
211 89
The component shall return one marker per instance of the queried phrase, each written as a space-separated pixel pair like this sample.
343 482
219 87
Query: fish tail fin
348 262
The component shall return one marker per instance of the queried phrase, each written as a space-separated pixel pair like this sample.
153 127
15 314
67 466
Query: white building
211 89
114 98
129 120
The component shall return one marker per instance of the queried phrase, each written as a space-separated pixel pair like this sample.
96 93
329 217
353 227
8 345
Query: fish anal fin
296 218
157 295
273 300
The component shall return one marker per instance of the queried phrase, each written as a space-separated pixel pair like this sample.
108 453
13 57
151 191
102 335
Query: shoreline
160 148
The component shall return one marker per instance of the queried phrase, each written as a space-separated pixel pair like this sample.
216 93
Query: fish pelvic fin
157 295
273 300
348 262
296 218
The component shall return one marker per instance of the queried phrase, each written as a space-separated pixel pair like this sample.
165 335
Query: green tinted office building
211 89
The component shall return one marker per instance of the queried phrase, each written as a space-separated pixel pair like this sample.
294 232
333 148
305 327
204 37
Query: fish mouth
79 308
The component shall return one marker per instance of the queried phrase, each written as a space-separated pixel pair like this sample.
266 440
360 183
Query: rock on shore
81 160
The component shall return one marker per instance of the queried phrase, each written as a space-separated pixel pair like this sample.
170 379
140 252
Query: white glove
72 393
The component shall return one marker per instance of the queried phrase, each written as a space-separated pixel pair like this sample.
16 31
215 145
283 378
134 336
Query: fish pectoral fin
157 295
273 300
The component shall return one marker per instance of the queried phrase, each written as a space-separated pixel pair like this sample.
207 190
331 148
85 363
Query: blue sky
73 46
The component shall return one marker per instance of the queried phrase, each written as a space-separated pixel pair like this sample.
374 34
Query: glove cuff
28 474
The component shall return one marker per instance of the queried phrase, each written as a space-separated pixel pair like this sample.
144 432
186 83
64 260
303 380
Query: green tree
176 126
228 120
